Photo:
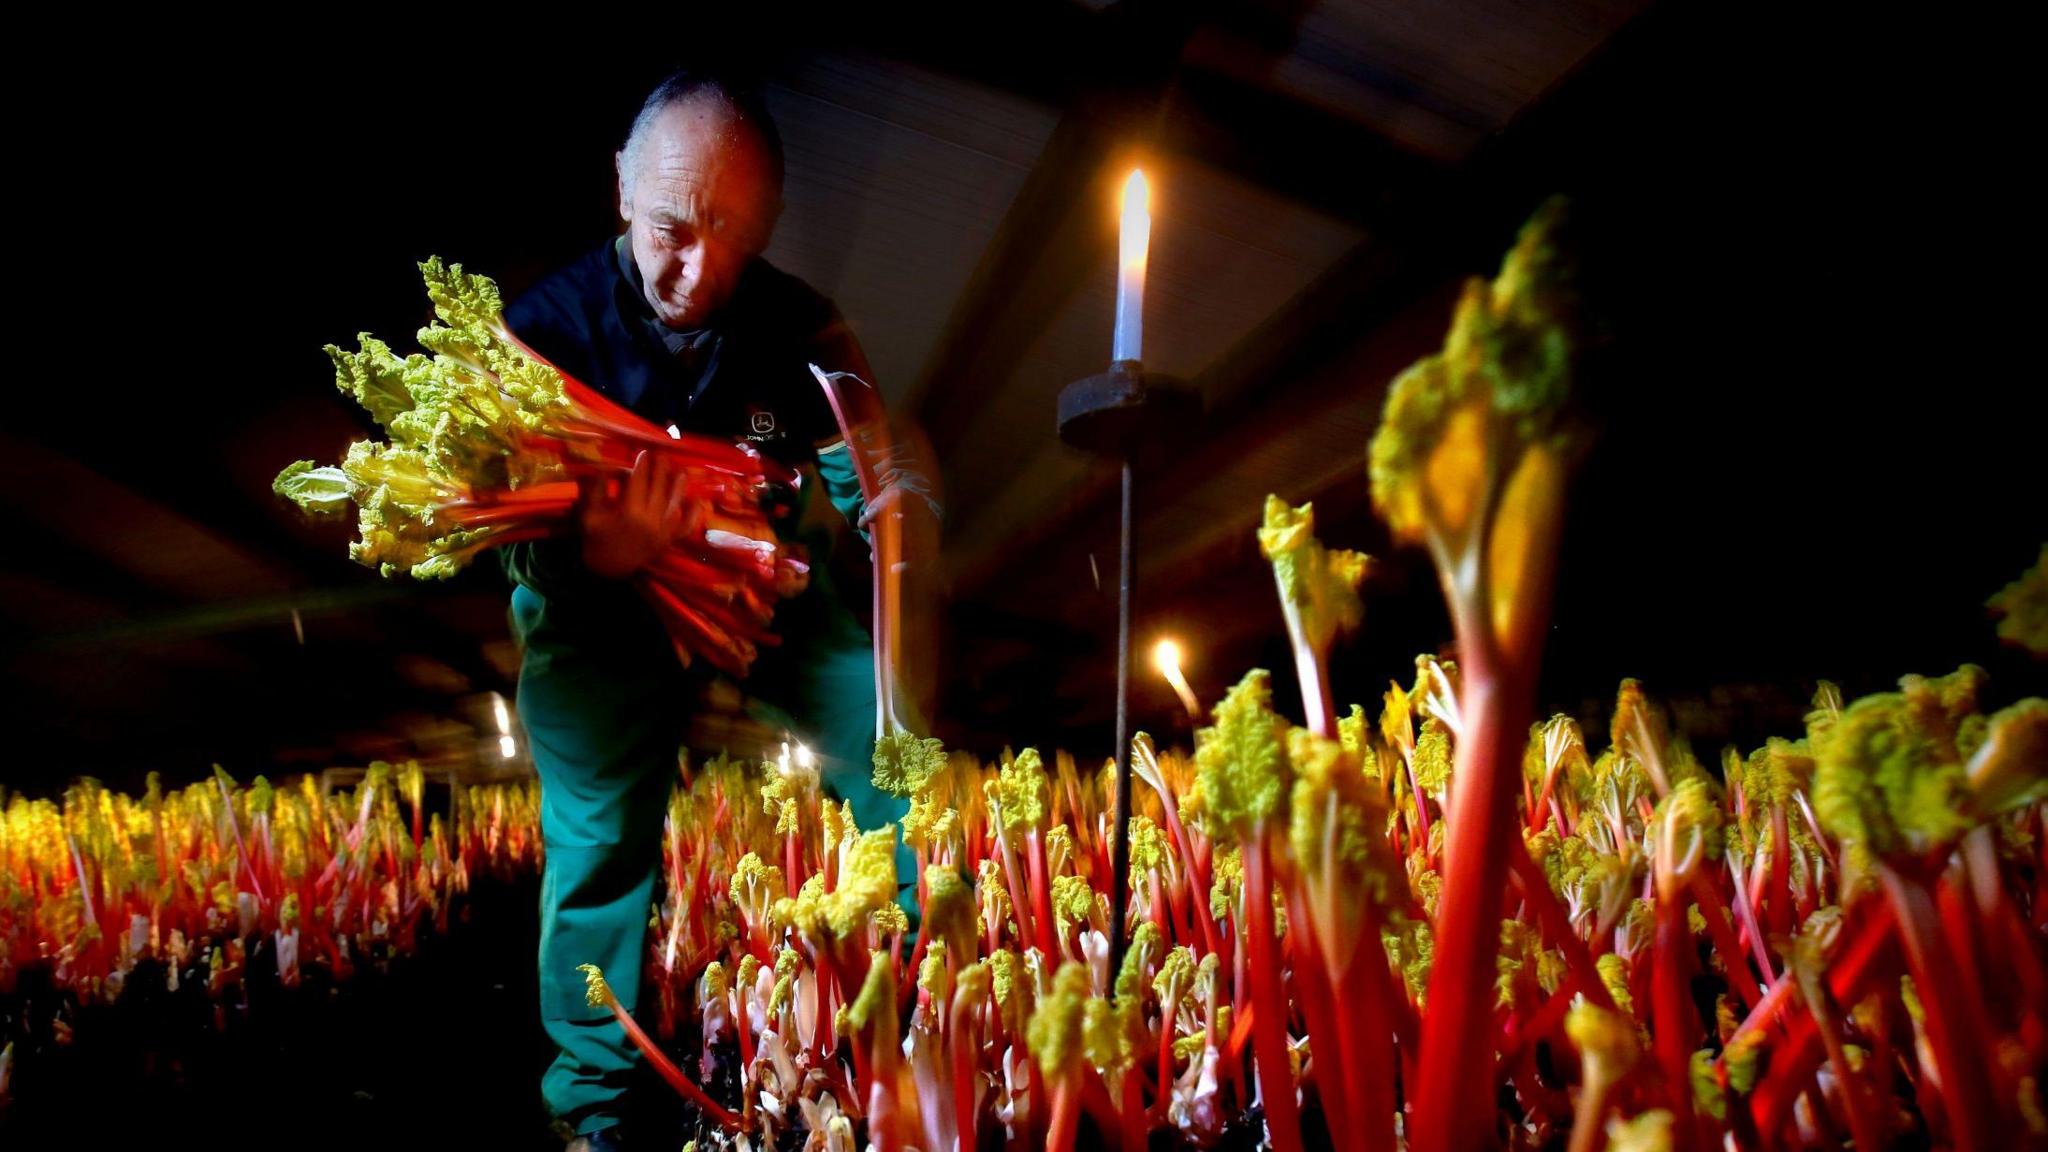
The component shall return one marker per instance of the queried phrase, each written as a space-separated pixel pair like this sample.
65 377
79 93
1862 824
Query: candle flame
1167 657
1137 193
1134 240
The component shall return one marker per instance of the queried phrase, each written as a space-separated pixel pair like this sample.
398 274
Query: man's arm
553 565
904 511
895 453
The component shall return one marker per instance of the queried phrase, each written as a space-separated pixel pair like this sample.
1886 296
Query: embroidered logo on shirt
764 423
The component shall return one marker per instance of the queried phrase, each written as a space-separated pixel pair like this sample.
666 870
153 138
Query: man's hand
629 522
889 500
911 508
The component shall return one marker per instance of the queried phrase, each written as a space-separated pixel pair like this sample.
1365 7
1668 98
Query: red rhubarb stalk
1672 1027
886 540
1778 909
1334 1078
1457 1030
1269 1001
599 994
1723 935
1955 1028
1198 874
961 1042
1041 895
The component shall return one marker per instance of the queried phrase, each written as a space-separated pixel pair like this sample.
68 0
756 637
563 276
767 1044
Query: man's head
700 187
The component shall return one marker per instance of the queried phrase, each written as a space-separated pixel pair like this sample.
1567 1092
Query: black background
1810 247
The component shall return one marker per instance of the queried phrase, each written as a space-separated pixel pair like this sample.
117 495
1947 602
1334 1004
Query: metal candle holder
1125 414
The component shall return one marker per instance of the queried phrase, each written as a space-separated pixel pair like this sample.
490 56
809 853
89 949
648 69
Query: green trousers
604 726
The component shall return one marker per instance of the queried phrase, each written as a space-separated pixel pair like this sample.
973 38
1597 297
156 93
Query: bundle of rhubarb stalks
491 446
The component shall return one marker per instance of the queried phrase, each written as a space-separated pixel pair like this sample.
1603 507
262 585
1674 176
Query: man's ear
619 184
771 214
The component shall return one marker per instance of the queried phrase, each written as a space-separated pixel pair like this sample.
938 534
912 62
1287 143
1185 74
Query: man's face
701 205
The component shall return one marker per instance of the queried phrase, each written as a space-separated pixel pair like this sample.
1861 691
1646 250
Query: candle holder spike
1127 414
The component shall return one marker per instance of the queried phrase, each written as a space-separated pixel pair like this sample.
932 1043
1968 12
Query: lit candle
1130 281
507 747
1167 658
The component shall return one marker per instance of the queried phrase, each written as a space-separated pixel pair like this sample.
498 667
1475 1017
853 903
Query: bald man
681 320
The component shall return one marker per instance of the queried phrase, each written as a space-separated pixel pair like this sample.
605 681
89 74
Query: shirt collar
633 295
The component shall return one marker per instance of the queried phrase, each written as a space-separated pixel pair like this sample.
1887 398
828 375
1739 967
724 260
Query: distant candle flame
1166 656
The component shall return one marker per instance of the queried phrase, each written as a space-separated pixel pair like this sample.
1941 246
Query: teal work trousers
604 727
